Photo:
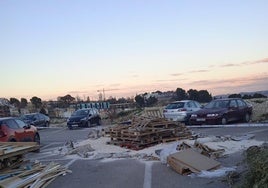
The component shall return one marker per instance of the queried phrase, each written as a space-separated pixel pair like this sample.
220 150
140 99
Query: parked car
84 118
223 111
36 119
181 110
15 130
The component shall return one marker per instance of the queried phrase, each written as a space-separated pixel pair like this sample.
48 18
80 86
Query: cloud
198 71
134 76
176 74
77 92
261 61
230 65
233 81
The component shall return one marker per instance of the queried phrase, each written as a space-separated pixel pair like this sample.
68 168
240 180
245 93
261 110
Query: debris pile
145 131
16 172
11 153
35 176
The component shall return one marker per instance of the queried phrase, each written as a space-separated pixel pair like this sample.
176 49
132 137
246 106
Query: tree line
201 96
142 100
246 96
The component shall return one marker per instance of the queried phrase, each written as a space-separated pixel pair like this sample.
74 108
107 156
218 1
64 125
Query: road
129 172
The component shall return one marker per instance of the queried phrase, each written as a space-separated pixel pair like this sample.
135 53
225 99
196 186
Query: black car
36 119
84 118
223 111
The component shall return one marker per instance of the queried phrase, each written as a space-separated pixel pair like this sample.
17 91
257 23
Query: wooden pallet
144 132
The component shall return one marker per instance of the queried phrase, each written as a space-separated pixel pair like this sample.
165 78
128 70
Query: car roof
182 101
225 99
6 118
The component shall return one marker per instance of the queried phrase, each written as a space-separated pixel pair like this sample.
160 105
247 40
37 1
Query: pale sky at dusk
52 48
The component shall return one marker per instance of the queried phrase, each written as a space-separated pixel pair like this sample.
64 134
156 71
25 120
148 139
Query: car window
217 104
11 124
80 112
233 103
193 104
175 105
241 103
20 123
197 104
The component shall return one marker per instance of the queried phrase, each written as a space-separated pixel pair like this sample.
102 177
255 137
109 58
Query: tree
23 102
258 95
204 96
193 94
37 102
14 102
140 100
67 99
111 100
180 94
235 96
247 97
122 100
151 101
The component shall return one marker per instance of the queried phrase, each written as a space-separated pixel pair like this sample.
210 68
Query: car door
195 106
42 120
242 108
233 110
17 131
27 133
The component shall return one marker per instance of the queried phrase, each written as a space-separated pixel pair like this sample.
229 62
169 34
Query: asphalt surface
130 172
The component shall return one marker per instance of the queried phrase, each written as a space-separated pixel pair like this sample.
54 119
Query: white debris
215 173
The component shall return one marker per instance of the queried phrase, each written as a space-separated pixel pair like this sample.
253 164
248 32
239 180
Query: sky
126 47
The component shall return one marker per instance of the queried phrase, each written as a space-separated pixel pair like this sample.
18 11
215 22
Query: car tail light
182 110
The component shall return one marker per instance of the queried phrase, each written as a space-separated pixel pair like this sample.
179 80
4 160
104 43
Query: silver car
181 110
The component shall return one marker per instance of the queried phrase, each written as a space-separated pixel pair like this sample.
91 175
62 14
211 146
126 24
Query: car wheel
98 121
247 117
224 120
37 138
47 124
70 127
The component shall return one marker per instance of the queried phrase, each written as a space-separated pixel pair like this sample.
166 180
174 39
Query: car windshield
28 116
175 105
217 104
80 113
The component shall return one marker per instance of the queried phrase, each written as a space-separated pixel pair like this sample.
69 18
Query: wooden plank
196 162
17 148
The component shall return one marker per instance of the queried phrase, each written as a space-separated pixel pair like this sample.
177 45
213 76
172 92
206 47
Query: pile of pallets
144 132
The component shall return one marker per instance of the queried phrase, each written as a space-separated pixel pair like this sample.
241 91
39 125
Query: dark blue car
36 119
84 118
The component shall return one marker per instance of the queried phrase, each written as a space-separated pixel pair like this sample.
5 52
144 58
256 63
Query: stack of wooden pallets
144 132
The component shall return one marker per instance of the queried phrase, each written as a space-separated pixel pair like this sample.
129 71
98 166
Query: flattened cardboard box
187 161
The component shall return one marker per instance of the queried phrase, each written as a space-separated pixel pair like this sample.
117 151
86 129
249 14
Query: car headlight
193 115
212 115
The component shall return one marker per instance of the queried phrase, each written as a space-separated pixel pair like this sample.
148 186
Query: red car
15 130
222 111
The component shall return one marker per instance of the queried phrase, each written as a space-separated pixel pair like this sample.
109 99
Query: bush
257 161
